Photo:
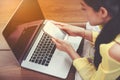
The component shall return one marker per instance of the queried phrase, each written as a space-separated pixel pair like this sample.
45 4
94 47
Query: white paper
54 31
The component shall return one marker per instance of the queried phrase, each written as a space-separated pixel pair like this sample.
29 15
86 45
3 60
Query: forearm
73 54
86 34
83 24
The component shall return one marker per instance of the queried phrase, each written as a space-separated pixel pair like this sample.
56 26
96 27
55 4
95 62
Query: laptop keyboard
44 51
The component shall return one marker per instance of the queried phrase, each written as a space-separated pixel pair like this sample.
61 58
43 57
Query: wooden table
63 10
58 10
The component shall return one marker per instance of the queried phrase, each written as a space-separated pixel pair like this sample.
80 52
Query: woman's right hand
69 29
72 30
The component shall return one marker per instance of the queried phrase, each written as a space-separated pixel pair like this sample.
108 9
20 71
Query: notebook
28 35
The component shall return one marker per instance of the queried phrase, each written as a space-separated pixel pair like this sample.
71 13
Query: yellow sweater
109 69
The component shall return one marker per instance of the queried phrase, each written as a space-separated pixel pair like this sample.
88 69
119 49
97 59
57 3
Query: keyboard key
44 51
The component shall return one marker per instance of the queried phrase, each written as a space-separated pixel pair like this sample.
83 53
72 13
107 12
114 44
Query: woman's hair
110 29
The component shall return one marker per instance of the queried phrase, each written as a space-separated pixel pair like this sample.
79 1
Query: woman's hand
62 45
70 29
66 47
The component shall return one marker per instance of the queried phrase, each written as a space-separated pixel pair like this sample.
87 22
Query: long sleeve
108 69
85 68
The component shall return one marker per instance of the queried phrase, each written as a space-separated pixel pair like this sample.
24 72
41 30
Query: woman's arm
75 29
88 35
83 66
66 47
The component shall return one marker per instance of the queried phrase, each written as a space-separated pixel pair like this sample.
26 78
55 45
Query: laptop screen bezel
35 14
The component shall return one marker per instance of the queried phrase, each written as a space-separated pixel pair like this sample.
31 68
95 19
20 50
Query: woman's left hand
63 45
66 47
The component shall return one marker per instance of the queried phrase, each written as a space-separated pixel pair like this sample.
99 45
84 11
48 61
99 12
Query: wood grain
58 10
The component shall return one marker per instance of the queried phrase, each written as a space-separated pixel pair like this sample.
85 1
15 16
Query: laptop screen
23 26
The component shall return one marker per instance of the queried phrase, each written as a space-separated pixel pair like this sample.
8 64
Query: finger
54 40
57 40
58 23
58 45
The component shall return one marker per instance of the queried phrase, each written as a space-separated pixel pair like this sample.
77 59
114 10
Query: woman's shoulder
114 51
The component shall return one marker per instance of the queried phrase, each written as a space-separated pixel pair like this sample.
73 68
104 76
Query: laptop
28 35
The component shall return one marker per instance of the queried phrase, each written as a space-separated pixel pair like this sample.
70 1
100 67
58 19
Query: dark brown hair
111 29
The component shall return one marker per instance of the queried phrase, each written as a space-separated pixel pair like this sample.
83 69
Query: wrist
73 54
82 33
